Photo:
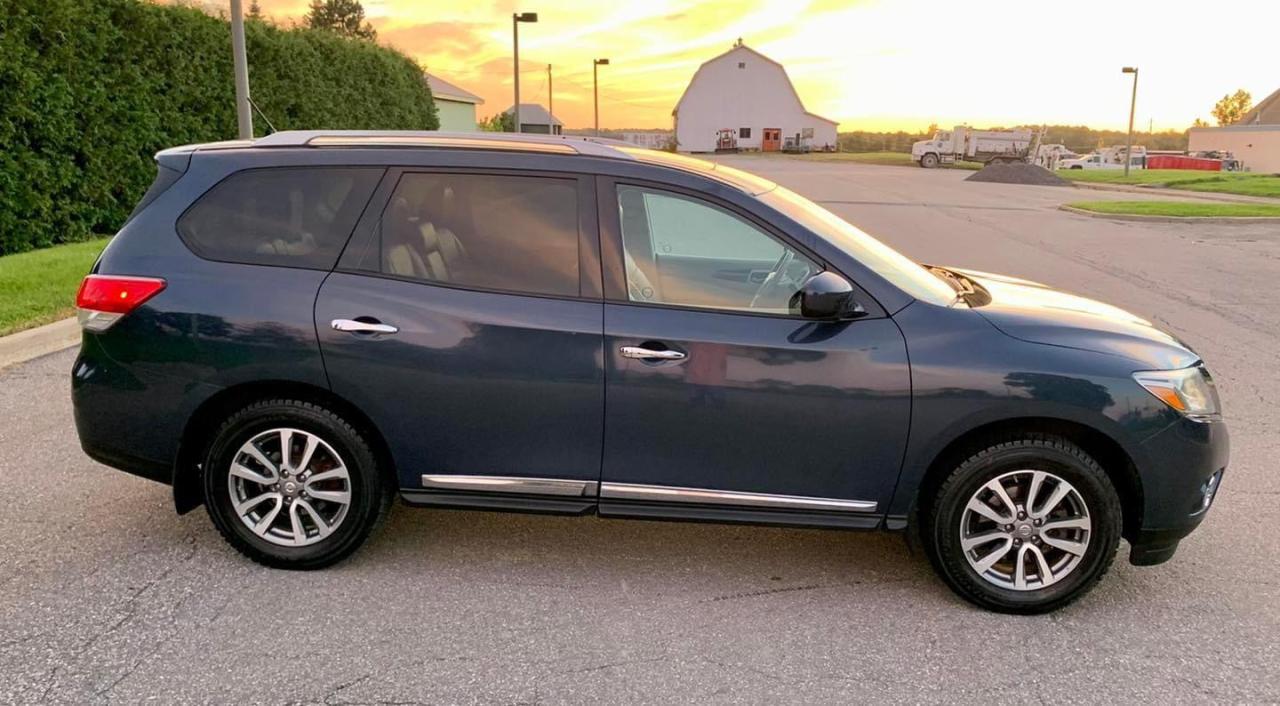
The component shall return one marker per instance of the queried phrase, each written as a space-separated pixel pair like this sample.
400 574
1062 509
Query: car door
721 402
465 321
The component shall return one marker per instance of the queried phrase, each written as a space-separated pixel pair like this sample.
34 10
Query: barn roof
743 47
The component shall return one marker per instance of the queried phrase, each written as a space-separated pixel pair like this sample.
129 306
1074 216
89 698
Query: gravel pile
1018 173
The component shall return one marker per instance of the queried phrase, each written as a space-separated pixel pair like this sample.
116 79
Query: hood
1036 313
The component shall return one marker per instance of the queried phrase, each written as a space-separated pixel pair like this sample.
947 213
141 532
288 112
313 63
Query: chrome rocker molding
573 488
703 496
511 484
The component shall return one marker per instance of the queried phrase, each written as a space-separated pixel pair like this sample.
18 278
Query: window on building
510 233
742 64
295 217
806 133
744 132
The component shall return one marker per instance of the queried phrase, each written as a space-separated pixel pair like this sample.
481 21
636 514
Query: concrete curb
25 345
1184 193
1212 220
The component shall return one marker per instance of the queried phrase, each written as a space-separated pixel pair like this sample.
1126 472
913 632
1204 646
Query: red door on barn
771 139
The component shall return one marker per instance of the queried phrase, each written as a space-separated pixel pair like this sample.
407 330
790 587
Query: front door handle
357 326
639 353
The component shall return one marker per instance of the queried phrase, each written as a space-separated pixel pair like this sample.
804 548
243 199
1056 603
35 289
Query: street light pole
551 95
595 89
1133 103
516 19
244 118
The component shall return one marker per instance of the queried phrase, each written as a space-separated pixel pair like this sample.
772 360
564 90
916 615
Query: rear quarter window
291 217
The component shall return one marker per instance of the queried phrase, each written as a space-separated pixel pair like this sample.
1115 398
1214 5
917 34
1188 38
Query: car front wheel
1025 525
292 485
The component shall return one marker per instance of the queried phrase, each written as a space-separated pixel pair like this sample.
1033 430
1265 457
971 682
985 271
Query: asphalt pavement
107 596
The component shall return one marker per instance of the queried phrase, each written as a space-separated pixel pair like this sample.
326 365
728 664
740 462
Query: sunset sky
870 64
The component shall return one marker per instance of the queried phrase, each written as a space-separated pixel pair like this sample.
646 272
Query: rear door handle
357 326
638 353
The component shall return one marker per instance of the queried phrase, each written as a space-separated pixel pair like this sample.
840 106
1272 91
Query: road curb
1165 191
1210 220
26 345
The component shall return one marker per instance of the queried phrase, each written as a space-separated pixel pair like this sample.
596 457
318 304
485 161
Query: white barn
744 100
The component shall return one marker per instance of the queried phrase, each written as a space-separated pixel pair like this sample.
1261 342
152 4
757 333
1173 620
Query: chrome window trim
513 484
706 496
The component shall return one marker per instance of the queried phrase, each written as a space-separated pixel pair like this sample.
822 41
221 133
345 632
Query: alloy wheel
1025 530
289 487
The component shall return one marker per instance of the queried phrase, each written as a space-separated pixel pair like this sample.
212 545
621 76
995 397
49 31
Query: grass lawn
1187 179
896 159
1179 209
40 286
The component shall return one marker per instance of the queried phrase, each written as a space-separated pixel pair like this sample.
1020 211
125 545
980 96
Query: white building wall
758 95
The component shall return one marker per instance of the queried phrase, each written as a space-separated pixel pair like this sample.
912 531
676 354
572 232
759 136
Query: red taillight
103 299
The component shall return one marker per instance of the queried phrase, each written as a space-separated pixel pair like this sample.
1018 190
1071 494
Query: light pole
595 89
244 118
516 19
1133 103
551 94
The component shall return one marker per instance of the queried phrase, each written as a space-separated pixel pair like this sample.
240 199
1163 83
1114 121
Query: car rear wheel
292 485
1026 525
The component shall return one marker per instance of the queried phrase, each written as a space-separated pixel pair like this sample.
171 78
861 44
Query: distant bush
90 91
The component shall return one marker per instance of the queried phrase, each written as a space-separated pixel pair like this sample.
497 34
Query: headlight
1188 390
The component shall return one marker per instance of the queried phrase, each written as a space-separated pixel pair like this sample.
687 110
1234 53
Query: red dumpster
1177 161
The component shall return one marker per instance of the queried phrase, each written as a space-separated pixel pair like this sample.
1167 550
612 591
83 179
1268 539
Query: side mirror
828 297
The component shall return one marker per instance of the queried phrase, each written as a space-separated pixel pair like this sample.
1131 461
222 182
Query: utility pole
595 89
516 19
1133 102
244 118
551 101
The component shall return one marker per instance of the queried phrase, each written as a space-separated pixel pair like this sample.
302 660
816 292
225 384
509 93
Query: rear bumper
1188 461
127 419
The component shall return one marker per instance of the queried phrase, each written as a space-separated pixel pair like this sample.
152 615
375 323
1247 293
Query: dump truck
965 144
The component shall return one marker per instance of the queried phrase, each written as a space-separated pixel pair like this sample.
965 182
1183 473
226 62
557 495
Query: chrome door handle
354 326
638 353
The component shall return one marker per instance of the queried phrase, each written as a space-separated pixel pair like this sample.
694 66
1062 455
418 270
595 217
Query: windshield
901 271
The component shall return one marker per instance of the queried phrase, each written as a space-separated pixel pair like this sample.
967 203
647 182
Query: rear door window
500 232
293 217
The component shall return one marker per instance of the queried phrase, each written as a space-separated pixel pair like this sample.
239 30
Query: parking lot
106 595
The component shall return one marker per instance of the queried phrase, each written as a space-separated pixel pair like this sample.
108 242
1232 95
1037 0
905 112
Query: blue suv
296 330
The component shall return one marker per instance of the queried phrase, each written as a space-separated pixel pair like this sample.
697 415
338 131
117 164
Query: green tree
499 122
90 91
255 10
1232 107
344 17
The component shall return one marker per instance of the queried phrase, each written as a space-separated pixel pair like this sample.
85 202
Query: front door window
683 251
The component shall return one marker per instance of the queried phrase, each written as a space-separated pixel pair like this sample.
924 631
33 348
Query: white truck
966 144
1108 158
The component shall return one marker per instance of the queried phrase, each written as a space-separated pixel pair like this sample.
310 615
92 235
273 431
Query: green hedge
90 91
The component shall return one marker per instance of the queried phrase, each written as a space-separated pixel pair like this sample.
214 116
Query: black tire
929 160
371 491
943 517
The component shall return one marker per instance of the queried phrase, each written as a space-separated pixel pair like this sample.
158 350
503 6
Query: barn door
772 139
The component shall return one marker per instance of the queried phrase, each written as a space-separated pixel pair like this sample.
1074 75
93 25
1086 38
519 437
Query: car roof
587 146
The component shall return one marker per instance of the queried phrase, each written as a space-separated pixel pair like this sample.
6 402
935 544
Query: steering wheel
774 280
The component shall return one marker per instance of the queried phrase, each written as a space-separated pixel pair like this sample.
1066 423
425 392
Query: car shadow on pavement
709 561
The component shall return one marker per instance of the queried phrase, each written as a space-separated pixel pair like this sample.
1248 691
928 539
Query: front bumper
1187 463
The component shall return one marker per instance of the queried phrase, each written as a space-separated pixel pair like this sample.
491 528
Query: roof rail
562 144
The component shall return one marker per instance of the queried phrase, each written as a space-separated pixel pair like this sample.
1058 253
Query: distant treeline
1076 137
89 91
